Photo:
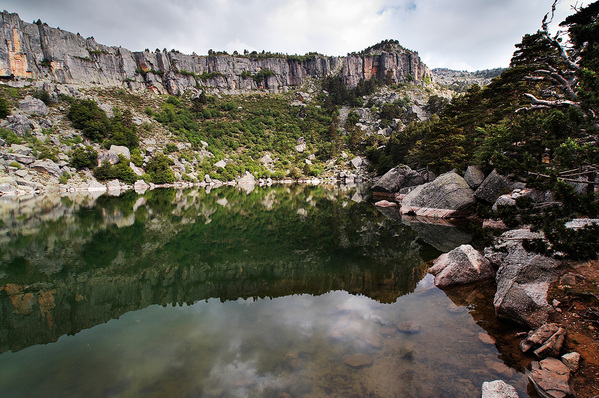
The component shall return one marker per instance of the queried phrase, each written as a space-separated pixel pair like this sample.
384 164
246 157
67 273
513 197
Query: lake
283 291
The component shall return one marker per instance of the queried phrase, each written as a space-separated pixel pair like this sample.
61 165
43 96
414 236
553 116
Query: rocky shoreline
524 279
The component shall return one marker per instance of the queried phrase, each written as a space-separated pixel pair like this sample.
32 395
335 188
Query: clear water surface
294 291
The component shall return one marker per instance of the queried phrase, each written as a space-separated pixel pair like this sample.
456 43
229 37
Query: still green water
294 291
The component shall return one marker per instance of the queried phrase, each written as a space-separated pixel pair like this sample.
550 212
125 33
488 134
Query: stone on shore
493 187
474 176
498 389
547 340
551 378
462 265
397 178
448 196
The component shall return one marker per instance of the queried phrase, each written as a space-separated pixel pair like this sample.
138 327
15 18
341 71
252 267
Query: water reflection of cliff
74 262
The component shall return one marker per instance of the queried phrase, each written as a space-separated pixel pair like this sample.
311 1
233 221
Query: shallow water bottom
335 344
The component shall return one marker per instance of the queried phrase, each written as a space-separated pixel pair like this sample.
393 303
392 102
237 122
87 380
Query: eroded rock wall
37 51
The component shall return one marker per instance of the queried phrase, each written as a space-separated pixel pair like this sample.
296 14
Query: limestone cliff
40 52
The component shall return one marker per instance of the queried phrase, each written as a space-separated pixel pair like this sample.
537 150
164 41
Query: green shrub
158 170
136 157
120 171
4 108
48 153
10 137
90 119
170 148
84 157
64 178
43 96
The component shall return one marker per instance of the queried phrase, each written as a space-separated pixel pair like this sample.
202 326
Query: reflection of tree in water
91 262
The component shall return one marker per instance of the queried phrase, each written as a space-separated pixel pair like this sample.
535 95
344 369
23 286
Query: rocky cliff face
38 51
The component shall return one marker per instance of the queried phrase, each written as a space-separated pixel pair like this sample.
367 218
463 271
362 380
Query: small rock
21 173
47 166
492 187
495 224
571 360
21 149
549 338
357 162
408 327
498 389
568 279
358 361
300 148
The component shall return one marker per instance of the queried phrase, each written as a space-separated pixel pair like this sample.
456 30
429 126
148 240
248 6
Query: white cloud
461 34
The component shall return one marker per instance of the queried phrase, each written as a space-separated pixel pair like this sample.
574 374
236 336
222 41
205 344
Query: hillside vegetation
537 123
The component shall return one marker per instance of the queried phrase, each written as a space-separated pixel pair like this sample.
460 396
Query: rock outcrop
448 196
523 279
38 51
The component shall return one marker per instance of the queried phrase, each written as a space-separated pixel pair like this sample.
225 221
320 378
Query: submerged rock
460 266
408 327
358 361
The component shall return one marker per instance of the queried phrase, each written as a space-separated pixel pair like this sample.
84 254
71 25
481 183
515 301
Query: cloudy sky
457 34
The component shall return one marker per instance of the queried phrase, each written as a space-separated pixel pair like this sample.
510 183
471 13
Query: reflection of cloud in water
241 379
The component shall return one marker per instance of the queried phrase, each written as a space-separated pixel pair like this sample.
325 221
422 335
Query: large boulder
19 124
523 279
493 187
33 106
474 176
462 265
120 150
397 178
448 196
